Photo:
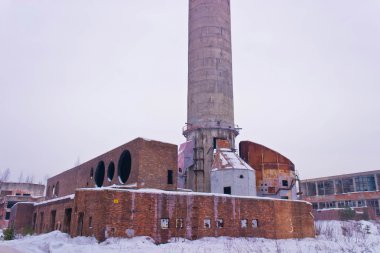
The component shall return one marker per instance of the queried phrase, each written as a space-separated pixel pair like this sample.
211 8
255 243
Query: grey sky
78 78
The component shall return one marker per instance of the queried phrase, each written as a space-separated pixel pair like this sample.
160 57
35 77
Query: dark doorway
52 219
67 220
80 224
34 221
41 221
227 190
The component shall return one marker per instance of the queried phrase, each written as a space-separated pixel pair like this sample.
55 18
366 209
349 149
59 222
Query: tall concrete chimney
210 110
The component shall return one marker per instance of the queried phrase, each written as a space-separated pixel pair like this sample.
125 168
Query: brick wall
134 213
150 162
47 224
21 217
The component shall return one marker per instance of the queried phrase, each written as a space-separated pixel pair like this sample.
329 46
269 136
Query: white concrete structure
231 175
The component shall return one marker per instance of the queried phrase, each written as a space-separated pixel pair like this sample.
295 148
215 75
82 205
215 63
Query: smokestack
210 110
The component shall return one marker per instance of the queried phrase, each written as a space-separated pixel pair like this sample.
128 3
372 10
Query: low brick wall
127 213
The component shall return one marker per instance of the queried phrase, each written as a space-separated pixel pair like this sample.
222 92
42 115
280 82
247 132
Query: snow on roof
227 159
71 196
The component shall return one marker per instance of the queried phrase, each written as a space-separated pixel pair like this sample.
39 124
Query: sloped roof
227 159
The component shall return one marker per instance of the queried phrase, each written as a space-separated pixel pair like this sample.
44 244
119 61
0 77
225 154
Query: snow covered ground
333 236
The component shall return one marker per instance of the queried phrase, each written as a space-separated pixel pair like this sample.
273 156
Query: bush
9 234
347 214
27 231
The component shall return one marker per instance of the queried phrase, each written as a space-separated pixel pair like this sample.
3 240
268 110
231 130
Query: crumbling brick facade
275 174
148 164
128 213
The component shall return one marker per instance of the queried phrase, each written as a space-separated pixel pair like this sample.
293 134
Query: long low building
131 191
356 190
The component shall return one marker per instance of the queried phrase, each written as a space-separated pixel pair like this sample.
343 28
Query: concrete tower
210 110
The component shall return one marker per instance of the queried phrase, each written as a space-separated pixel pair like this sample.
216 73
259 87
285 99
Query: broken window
375 204
329 187
321 188
244 223
90 222
338 186
361 203
57 189
255 223
285 183
315 206
110 171
124 166
227 190
100 171
349 203
219 223
365 183
330 204
170 176
311 189
179 223
11 203
7 215
322 205
207 223
348 185
164 223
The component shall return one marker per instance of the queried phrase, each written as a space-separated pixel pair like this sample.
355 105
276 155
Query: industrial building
204 188
12 193
356 190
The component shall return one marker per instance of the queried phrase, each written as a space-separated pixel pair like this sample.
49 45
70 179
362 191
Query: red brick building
141 198
356 190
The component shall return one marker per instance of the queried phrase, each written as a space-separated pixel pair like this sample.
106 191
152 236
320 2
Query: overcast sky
78 78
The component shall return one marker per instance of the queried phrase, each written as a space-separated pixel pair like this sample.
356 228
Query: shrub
8 234
27 231
347 214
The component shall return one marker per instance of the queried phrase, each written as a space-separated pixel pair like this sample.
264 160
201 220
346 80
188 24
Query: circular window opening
99 174
124 166
111 171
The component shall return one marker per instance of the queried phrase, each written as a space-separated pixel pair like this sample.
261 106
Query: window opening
227 190
170 176
164 223
244 223
255 223
207 223
219 223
